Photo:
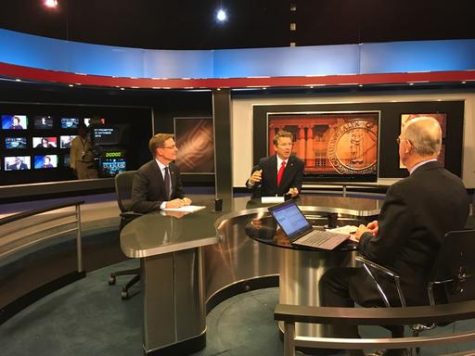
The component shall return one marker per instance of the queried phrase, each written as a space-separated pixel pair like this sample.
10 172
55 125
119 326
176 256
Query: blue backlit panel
418 56
287 61
395 57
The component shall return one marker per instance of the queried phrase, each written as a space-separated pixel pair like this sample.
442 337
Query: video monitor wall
35 141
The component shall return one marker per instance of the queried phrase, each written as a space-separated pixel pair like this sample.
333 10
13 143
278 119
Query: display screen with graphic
12 143
69 122
331 144
45 161
194 137
14 122
44 142
17 163
43 122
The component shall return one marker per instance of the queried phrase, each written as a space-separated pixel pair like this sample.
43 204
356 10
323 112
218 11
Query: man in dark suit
157 184
18 165
416 213
279 174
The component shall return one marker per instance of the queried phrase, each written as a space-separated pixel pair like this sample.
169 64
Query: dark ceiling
190 24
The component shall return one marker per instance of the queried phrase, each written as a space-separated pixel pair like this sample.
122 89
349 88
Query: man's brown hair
282 133
157 141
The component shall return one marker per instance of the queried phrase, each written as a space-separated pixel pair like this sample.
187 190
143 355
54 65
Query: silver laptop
300 232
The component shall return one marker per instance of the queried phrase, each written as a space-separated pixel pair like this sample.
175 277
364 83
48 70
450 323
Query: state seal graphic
352 147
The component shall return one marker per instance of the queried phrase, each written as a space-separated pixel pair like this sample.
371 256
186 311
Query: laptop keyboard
320 239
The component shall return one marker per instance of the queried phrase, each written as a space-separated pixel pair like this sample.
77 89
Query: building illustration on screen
331 143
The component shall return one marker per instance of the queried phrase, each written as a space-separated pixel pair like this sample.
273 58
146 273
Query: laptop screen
290 219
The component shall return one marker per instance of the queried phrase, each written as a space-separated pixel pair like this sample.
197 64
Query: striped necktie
167 183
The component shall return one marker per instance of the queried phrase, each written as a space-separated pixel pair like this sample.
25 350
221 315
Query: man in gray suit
416 214
157 184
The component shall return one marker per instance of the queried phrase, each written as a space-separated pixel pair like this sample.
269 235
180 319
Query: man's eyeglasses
170 147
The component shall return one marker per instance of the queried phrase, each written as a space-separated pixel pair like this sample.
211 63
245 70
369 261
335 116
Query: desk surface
155 233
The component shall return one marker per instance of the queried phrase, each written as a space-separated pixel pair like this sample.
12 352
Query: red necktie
280 173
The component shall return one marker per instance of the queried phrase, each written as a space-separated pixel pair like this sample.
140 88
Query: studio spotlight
50 3
221 15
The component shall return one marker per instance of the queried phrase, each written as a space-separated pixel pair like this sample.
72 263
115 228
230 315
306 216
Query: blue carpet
89 318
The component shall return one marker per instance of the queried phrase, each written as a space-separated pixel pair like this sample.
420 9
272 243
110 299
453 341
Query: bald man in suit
279 174
416 214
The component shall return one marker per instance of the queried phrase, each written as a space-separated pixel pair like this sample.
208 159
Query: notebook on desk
299 230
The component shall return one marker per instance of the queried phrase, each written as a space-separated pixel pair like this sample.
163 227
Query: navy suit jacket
416 214
292 177
148 188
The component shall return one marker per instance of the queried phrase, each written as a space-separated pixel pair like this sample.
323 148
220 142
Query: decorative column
301 142
310 154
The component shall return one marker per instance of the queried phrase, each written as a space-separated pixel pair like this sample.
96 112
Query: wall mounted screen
45 161
17 163
336 145
195 140
13 143
43 122
14 122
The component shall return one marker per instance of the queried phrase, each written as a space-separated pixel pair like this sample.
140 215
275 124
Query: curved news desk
206 257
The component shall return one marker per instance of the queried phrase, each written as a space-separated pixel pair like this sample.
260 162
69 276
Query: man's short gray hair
425 135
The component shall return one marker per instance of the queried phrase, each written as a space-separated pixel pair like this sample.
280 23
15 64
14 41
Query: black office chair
453 275
123 189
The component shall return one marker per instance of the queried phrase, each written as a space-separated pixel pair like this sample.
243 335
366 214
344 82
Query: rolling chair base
125 290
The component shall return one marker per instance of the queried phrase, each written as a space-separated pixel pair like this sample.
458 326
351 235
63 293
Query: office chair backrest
455 266
123 189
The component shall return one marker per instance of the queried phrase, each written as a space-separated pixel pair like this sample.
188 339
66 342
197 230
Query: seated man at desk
415 215
278 174
157 184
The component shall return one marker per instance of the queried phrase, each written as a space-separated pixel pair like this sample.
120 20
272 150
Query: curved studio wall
38 58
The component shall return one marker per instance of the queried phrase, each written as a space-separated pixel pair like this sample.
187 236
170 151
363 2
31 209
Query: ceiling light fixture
221 15
52 4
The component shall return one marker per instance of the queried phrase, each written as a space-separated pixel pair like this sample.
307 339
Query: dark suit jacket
416 214
268 187
22 167
148 188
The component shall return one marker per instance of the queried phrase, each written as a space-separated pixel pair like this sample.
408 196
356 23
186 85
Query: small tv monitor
14 122
69 122
17 163
94 121
109 135
44 142
43 122
13 143
112 166
66 140
45 161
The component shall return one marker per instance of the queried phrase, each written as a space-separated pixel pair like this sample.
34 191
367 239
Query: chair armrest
368 265
376 266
